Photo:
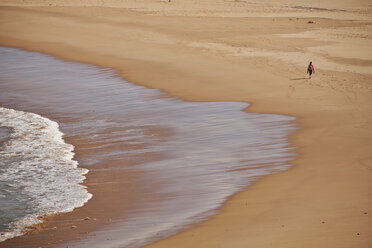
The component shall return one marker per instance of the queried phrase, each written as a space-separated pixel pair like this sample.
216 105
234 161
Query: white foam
37 162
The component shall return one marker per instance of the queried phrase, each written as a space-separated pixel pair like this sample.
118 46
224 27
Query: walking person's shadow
303 78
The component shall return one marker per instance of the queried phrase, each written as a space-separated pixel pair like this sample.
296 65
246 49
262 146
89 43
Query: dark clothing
310 69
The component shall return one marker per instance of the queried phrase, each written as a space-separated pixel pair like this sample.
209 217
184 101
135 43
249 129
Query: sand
254 52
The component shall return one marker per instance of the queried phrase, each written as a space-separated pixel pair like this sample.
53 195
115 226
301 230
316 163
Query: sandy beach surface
246 51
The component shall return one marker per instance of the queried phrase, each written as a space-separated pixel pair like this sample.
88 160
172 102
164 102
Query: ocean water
203 152
37 173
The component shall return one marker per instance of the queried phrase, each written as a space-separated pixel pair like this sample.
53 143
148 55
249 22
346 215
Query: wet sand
230 52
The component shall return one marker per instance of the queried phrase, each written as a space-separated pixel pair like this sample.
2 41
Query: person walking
310 69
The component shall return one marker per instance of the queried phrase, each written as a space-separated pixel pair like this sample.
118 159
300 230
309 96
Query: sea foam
36 167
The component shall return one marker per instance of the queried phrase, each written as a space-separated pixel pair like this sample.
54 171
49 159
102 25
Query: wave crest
38 165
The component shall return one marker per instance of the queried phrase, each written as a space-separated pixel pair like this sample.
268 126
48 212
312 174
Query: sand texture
248 51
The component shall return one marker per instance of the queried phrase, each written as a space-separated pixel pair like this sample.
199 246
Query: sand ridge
253 52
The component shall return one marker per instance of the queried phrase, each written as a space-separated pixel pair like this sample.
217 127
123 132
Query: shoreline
236 111
48 100
321 120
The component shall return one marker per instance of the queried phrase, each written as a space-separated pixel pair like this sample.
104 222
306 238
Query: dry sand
249 51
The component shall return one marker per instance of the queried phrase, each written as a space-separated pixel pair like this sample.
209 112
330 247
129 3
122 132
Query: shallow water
209 150
5 133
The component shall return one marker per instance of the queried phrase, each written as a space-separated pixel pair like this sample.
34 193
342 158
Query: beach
230 51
